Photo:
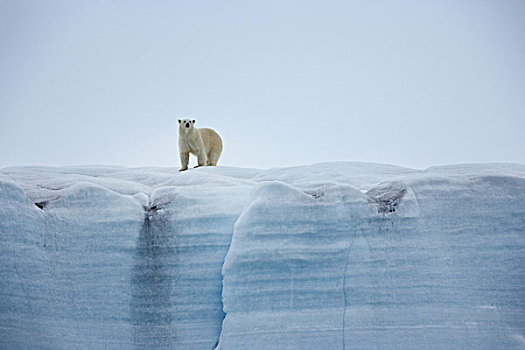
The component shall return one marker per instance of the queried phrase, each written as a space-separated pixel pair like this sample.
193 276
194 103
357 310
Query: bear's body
204 143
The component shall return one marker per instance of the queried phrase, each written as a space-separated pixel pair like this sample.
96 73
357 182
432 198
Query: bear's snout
187 124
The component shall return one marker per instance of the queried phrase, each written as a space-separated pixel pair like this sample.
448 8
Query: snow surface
328 256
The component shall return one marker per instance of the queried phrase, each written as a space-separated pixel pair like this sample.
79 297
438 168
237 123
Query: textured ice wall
438 263
65 270
114 258
331 256
285 271
177 274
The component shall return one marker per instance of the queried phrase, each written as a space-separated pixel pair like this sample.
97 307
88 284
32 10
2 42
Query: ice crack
151 309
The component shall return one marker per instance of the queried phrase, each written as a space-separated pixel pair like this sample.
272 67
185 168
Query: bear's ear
179 121
193 121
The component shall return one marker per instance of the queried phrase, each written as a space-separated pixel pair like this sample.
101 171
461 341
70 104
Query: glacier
341 255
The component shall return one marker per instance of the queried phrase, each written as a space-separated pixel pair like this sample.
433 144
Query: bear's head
186 124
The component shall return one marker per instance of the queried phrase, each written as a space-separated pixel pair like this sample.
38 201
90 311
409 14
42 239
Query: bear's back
212 140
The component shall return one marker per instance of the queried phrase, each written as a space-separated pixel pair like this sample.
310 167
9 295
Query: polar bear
204 143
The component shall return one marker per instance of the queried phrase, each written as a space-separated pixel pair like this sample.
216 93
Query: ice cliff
329 256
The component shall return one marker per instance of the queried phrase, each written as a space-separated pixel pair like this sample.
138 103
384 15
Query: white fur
204 143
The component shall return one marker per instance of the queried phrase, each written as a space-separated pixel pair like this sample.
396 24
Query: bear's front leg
184 160
202 159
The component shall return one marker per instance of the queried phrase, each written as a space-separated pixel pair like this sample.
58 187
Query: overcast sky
412 83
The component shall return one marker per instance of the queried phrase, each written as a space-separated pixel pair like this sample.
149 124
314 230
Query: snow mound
328 256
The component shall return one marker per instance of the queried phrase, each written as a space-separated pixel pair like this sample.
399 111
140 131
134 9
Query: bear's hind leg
213 158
